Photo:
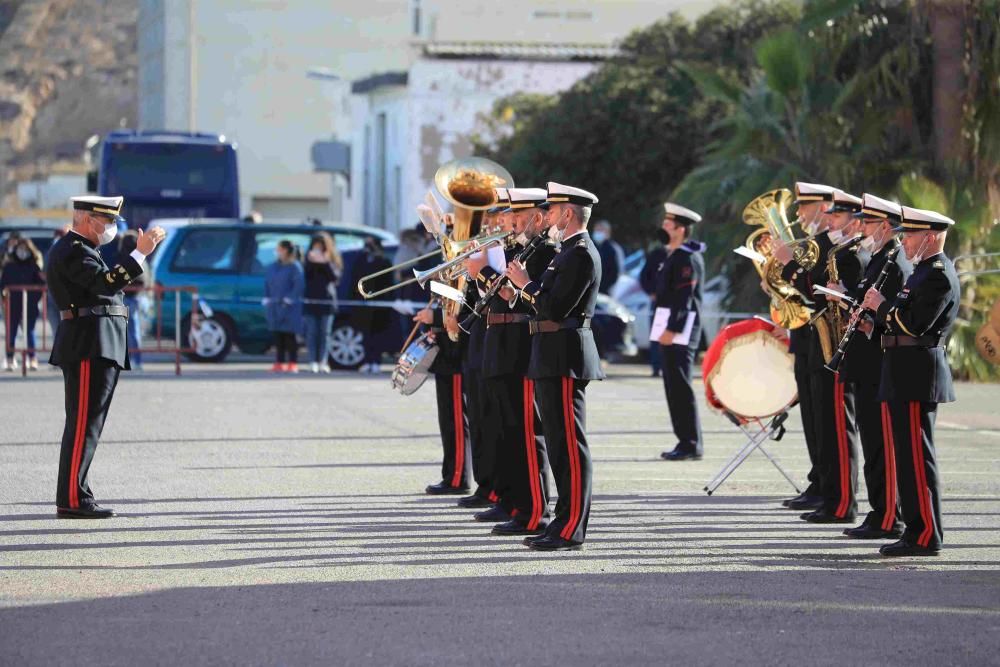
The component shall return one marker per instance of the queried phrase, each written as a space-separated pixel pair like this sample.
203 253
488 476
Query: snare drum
748 372
411 368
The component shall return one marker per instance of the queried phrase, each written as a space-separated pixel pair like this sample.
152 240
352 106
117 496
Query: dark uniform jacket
567 293
679 285
472 358
863 357
78 278
508 346
450 353
926 308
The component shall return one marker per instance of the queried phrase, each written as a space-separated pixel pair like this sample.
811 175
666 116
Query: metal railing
159 344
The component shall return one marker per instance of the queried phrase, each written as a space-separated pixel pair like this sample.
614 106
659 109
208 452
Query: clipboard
660 319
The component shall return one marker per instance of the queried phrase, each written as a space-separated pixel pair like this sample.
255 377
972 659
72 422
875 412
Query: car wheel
347 346
213 340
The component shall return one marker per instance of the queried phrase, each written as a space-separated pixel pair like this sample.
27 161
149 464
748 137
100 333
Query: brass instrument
453 269
469 185
789 307
829 323
449 248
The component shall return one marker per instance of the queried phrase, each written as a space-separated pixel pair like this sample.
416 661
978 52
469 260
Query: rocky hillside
68 69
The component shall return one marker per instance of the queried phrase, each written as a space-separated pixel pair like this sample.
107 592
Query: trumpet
458 251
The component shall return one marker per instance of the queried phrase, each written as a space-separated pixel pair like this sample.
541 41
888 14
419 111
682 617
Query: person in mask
678 288
323 268
612 255
915 375
374 322
811 200
89 345
23 267
862 364
284 286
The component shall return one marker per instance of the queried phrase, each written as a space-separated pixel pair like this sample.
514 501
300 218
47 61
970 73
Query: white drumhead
755 376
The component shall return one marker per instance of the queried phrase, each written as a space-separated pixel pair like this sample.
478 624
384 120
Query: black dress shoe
868 532
515 527
681 455
473 501
86 512
550 543
805 502
495 514
902 548
822 516
443 488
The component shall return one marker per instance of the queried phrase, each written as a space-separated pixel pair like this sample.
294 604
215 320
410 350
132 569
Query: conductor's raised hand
146 242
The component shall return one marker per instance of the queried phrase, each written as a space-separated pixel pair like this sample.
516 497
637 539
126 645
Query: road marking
846 607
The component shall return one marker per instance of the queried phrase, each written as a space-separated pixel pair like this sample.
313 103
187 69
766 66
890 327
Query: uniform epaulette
77 242
938 264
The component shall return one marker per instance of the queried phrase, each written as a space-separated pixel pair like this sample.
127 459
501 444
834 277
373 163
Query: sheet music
660 319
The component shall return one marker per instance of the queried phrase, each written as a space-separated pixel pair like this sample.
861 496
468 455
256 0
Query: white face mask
600 237
22 253
317 255
919 254
868 244
108 235
835 235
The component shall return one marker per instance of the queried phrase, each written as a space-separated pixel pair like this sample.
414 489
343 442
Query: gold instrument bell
469 185
789 307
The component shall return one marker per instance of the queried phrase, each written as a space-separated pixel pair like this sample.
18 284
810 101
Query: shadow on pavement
890 617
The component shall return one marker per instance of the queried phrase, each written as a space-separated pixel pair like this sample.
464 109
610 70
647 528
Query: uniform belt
551 326
95 311
910 341
493 319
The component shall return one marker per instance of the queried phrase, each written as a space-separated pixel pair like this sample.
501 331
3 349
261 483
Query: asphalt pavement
280 520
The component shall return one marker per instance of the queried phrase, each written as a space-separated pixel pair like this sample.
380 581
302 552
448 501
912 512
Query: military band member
811 199
564 359
523 461
678 287
862 367
481 408
915 374
90 343
833 407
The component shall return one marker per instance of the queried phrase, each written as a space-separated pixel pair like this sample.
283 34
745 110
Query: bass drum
412 367
749 372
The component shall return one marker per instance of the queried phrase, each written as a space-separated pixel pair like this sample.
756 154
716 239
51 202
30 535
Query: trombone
449 270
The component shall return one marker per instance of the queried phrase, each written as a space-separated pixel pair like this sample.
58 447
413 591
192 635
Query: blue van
225 260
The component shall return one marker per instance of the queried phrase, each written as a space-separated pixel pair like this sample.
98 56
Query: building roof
370 83
520 51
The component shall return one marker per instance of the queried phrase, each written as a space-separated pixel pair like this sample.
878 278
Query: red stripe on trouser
456 394
842 453
493 497
574 460
529 444
83 405
923 492
889 451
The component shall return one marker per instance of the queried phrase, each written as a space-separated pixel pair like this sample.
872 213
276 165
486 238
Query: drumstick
413 332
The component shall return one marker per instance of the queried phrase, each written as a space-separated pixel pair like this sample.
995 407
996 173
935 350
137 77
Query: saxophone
830 324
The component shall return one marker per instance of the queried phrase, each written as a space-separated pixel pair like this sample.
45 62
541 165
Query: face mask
662 236
22 253
316 255
868 244
108 235
835 235
600 237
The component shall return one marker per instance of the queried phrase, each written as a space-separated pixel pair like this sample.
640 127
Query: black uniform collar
931 258
90 244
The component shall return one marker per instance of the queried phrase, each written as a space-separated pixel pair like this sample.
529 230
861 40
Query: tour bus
168 175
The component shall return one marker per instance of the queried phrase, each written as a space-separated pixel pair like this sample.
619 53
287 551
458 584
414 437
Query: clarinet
484 301
858 311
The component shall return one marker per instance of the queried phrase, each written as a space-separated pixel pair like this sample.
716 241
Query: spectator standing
374 322
133 299
23 266
323 268
612 256
52 310
647 279
284 287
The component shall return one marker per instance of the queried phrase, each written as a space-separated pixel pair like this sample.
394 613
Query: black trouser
287 347
916 471
483 434
89 387
523 463
454 424
833 419
677 360
880 459
562 405
803 382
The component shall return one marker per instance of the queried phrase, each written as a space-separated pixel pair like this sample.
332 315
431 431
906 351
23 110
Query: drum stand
773 430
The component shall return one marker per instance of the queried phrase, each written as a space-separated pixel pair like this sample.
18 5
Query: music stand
772 430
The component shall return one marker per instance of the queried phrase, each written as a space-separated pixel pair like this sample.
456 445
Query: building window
546 14
381 154
415 11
